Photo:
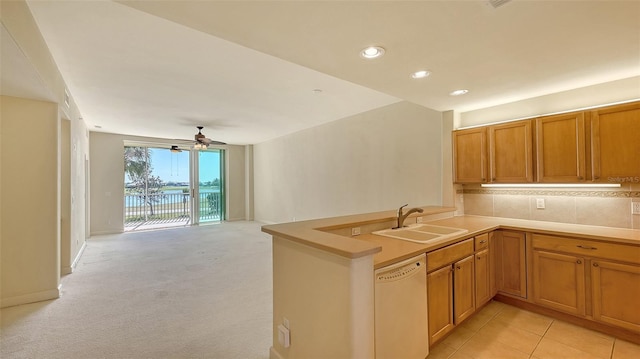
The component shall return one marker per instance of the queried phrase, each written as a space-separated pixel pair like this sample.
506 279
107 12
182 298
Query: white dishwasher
401 327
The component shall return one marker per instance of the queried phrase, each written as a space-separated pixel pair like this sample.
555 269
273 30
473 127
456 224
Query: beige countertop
389 250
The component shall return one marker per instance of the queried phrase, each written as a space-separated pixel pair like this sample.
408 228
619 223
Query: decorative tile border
546 192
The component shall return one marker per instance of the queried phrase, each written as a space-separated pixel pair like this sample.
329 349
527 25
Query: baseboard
273 354
101 233
74 264
30 298
66 270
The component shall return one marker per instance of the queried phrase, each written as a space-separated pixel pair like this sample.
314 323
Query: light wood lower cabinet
463 289
511 270
559 281
483 277
589 279
616 294
450 297
450 287
440 303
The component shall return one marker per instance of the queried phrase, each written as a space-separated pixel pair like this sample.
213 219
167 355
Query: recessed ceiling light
372 52
316 91
458 92
420 74
97 126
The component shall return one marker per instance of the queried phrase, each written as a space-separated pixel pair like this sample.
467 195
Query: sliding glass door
209 199
165 188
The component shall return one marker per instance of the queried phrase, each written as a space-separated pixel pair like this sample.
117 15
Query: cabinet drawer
482 241
588 248
450 254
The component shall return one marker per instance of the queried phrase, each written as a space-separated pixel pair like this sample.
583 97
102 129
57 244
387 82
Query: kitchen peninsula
323 273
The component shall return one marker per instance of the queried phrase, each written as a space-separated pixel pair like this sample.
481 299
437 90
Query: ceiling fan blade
217 143
206 141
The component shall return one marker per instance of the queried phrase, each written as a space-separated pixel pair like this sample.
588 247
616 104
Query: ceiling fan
202 141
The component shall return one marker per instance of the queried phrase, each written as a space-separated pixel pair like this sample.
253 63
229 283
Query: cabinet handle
596 177
457 267
483 241
586 247
579 261
479 257
595 265
484 179
493 179
580 177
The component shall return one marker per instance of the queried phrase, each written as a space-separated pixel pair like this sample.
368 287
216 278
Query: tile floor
502 331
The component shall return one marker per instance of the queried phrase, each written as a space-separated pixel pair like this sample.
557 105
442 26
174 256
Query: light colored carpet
197 292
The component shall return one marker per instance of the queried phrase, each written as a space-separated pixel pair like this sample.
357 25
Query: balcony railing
168 208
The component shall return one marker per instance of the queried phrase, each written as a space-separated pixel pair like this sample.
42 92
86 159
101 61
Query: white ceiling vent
498 3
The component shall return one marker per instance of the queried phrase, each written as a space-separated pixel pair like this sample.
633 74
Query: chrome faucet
402 217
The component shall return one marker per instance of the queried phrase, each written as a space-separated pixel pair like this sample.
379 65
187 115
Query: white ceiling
246 70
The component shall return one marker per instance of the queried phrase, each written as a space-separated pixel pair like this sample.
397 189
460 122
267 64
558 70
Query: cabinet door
559 282
440 303
615 143
463 289
560 148
511 271
510 152
470 156
483 275
616 294
492 264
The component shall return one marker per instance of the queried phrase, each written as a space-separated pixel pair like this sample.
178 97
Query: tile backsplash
610 207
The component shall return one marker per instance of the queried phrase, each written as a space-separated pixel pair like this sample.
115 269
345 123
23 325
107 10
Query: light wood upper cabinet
599 145
470 155
560 148
510 152
615 143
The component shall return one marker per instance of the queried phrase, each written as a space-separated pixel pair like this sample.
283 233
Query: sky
174 167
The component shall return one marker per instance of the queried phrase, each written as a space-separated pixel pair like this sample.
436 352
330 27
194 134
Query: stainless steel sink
421 233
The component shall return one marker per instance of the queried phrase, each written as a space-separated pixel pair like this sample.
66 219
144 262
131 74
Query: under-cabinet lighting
551 185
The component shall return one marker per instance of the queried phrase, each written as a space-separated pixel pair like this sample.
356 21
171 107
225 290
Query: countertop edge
311 232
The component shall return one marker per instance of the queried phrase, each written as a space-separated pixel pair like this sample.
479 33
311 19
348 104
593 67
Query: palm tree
137 167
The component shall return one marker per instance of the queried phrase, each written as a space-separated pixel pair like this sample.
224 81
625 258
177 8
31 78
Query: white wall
326 298
373 161
30 201
19 23
601 94
107 180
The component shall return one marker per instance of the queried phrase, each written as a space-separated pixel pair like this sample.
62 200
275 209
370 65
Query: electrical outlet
540 203
635 207
355 231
